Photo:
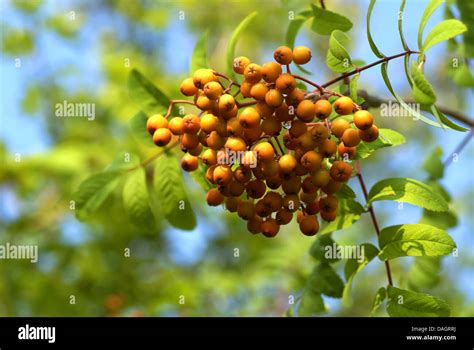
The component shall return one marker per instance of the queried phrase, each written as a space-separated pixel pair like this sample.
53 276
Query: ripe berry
191 124
209 157
189 162
242 174
213 90
273 98
264 109
320 178
283 216
339 126
284 114
328 148
346 152
249 118
162 137
351 137
312 208
309 225
370 134
308 197
236 144
196 151
239 64
236 188
283 55
213 140
306 111
226 115
245 88
210 173
291 186
249 159
297 128
261 209
253 73
311 160
222 175
301 55
323 109
253 134
271 71
363 120
328 203
204 103
332 187
271 126
287 163
255 188
246 209
291 202
273 200
307 185
285 83
226 103
231 204
253 224
203 76
188 88
340 171
258 91
270 228
319 133
176 126
294 97
273 182
343 105
155 122
328 215
234 128
214 197
208 123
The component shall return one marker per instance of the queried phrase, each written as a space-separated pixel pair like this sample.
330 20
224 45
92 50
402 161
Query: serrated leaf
349 212
388 138
199 57
311 304
379 298
408 191
170 192
400 25
324 280
93 191
136 200
433 164
295 26
233 41
353 87
367 253
320 247
146 95
422 90
430 8
325 21
137 126
424 273
405 303
374 47
415 114
444 30
337 57
414 240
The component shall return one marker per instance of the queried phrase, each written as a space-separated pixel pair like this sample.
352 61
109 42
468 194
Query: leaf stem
173 102
373 217
153 157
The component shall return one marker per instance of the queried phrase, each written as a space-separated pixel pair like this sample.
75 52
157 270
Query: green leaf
443 119
345 192
424 273
463 76
422 90
171 194
413 112
137 125
311 304
93 191
199 176
320 247
123 161
295 26
400 25
325 21
338 58
353 87
408 191
444 220
324 280
388 138
430 8
444 30
466 11
136 200
433 164
199 58
233 41
414 240
374 47
354 266
142 91
380 297
405 303
348 213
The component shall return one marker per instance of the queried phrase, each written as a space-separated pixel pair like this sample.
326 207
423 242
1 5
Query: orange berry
328 203
270 228
235 144
328 148
191 124
242 174
189 162
306 111
246 209
370 134
301 55
346 152
176 126
271 71
294 97
363 120
234 128
226 103
311 160
287 163
332 187
283 55
203 76
309 225
204 103
339 126
213 90
273 98
319 133
253 224
209 157
253 73
264 109
213 140
344 105
188 88
162 137
297 128
328 215
323 109
255 188
222 175
249 118
283 216
320 178
155 122
239 64
351 137
285 83
258 91
340 171
208 123
245 88
291 202
231 204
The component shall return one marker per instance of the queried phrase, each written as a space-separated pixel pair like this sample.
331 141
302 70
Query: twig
321 90
279 145
173 102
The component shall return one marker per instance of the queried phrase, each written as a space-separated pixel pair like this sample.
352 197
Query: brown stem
226 78
173 102
321 90
279 144
372 215
288 70
245 104
323 5
360 69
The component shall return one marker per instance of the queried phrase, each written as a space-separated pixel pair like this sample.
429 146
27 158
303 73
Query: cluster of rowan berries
270 182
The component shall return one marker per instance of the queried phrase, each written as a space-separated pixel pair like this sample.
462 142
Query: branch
321 90
374 218
173 102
